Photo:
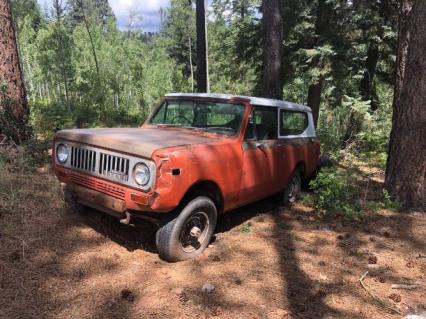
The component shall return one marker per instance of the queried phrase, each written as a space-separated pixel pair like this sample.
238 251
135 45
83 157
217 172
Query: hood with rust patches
142 141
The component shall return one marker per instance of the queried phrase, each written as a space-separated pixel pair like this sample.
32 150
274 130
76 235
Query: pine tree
202 72
272 49
406 165
14 109
98 11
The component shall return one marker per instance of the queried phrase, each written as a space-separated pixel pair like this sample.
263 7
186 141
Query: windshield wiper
168 125
194 128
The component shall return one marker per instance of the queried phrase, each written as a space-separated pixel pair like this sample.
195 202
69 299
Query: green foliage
36 153
325 42
385 202
235 54
334 123
63 83
245 229
284 226
389 203
334 194
26 157
47 118
3 87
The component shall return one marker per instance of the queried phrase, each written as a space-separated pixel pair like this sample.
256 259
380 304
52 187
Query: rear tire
292 192
186 235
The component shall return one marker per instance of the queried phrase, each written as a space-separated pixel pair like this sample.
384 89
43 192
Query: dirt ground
265 262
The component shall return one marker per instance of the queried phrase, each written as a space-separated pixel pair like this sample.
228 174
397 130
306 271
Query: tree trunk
13 97
366 85
272 49
406 165
80 3
201 47
190 63
314 99
58 8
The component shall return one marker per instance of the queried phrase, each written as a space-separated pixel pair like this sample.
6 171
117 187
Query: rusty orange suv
196 156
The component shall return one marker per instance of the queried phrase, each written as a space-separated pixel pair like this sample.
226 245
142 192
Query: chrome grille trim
110 165
98 162
82 158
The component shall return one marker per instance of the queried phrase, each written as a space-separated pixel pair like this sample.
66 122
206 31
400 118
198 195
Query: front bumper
105 195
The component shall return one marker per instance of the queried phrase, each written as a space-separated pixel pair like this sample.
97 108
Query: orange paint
242 170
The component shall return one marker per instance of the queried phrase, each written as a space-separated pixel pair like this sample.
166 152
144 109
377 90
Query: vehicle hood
141 141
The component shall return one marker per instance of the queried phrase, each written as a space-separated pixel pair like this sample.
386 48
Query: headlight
62 153
141 174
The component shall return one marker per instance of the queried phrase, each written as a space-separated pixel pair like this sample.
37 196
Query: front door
260 176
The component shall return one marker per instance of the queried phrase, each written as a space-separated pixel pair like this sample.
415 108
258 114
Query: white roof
253 100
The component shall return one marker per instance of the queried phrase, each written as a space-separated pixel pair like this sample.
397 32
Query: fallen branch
404 286
378 299
3 139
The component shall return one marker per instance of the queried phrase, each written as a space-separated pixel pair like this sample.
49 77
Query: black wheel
189 233
292 192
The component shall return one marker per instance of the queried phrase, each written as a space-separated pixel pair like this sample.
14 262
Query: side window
292 122
262 124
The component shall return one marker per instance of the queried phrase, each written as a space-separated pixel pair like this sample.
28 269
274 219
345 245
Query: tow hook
126 220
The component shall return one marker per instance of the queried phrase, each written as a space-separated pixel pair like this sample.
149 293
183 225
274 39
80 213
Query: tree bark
366 84
58 8
80 3
201 47
13 97
272 49
315 89
314 99
190 63
406 165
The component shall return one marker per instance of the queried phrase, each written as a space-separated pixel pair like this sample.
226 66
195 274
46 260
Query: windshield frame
195 128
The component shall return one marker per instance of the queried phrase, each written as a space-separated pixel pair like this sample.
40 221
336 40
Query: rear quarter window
292 122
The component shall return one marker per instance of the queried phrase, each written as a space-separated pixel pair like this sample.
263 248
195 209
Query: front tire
189 233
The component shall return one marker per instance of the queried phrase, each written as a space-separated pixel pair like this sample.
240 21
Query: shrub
26 157
334 194
47 118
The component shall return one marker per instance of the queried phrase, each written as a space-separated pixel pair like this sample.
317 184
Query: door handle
260 145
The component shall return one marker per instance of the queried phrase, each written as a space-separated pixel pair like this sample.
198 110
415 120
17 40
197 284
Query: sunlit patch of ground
266 262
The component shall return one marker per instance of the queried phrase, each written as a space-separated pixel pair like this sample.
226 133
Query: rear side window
263 124
292 122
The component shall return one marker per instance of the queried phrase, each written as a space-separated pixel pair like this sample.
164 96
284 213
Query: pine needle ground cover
291 263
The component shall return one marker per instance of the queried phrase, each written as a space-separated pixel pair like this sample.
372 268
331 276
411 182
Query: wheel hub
195 232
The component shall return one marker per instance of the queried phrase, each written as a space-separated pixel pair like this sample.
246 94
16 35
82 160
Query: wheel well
300 166
205 188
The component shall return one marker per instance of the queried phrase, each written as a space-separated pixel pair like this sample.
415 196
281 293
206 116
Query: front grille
114 167
106 164
83 159
114 191
109 166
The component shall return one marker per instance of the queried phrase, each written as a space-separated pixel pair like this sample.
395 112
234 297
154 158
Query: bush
26 157
334 194
47 118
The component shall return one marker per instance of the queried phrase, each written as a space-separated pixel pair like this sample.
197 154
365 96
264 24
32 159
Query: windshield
221 118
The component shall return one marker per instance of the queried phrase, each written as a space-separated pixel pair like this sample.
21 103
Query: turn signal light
139 199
